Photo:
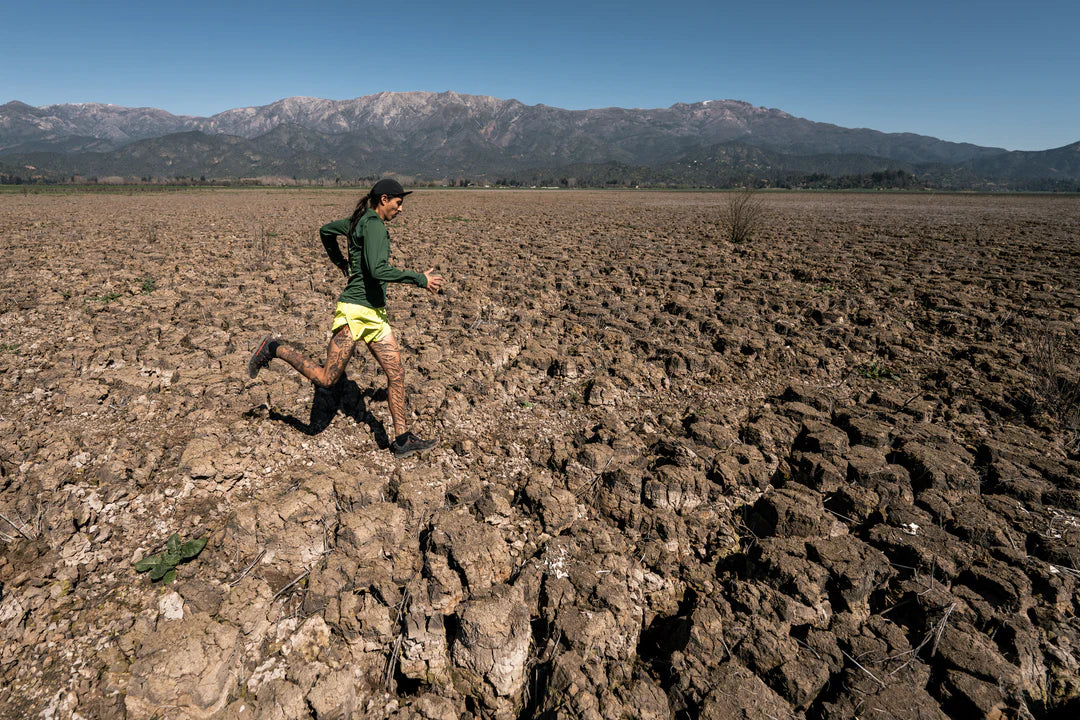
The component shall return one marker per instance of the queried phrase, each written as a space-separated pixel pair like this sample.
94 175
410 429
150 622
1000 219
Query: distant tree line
886 179
13 179
597 176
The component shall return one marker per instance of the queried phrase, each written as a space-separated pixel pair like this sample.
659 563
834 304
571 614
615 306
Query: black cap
387 186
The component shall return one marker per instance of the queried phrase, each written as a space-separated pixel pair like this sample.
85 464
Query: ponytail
361 208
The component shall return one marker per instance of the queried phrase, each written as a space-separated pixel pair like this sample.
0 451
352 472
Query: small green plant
874 370
9 348
148 285
163 565
527 405
107 298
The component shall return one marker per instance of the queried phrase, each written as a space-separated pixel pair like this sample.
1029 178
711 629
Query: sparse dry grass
743 215
1055 369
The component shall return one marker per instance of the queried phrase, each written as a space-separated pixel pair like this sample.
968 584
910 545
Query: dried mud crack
829 473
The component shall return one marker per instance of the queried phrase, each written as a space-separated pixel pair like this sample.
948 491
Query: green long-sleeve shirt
369 260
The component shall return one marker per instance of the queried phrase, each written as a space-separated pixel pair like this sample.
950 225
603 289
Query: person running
361 307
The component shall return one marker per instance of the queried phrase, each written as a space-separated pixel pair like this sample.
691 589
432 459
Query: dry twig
243 574
21 531
935 632
859 665
395 652
281 592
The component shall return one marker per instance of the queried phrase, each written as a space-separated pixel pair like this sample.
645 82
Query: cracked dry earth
830 473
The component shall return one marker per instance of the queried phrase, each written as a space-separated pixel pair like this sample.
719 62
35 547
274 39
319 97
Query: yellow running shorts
367 324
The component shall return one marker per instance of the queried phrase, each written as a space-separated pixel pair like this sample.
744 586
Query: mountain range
450 137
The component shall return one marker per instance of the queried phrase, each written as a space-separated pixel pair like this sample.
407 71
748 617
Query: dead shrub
743 215
1055 371
262 246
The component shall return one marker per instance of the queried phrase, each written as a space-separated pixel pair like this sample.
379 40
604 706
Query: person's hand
434 282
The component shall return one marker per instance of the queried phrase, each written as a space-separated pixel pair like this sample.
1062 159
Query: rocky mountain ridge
439 135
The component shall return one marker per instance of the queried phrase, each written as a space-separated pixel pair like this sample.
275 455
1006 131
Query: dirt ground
829 473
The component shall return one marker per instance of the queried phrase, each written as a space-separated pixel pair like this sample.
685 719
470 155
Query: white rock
171 606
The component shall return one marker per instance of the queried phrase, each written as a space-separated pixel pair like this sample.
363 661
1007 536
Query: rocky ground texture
829 473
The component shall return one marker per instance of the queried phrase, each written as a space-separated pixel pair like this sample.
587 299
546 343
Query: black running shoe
261 357
406 444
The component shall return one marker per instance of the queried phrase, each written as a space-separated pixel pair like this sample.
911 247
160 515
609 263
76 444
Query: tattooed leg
388 354
338 353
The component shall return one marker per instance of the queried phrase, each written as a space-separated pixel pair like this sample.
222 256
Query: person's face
389 207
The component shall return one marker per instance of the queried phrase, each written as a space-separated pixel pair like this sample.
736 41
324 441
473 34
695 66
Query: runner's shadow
345 397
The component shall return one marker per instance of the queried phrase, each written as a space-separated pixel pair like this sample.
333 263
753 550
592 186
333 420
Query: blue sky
994 73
